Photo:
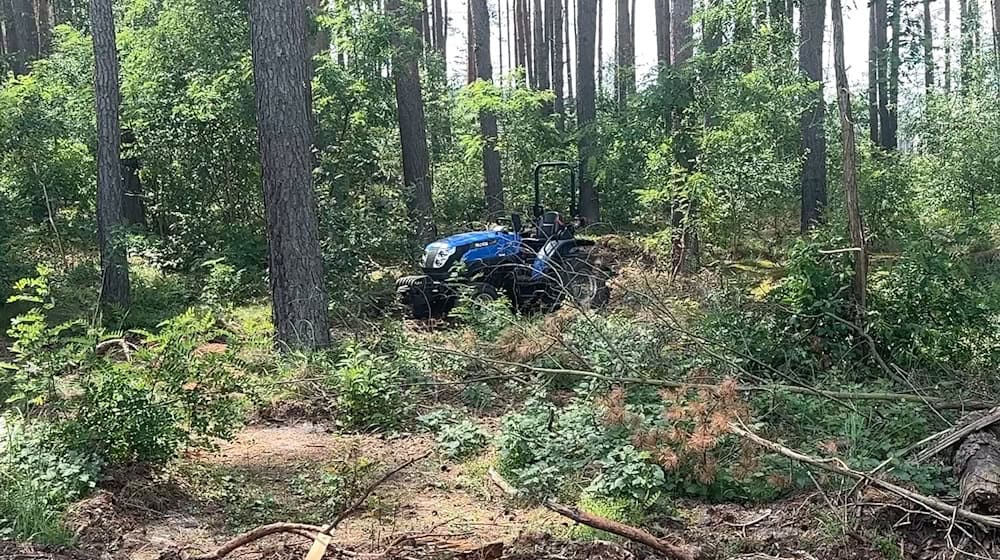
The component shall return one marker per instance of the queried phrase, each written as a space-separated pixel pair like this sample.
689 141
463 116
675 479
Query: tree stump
977 466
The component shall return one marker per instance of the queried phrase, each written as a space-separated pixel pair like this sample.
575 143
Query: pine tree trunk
881 43
529 55
487 120
662 14
891 123
558 64
625 55
567 41
682 32
542 80
110 188
319 37
600 46
412 124
295 264
928 47
43 21
849 160
21 34
500 38
947 46
813 177
586 108
873 56
470 51
511 56
133 205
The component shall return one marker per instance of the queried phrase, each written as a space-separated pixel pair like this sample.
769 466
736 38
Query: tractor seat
550 225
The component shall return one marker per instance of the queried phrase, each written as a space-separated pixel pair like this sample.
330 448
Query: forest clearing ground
258 478
264 475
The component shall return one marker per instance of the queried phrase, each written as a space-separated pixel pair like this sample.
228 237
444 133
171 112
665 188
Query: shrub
460 439
39 477
368 390
225 285
179 389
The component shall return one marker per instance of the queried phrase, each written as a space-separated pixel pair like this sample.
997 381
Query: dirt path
290 473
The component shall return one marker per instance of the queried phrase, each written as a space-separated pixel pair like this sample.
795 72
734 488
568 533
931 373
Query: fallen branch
938 402
678 552
634 534
958 433
837 466
315 532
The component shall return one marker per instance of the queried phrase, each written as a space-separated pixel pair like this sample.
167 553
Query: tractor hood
463 239
471 247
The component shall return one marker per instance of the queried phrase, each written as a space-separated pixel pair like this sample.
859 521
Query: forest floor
272 471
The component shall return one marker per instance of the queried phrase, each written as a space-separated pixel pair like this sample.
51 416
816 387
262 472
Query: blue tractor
538 266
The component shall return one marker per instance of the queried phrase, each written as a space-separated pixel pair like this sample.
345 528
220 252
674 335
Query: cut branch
837 466
678 552
937 402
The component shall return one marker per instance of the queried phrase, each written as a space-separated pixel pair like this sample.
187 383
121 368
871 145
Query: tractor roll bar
538 209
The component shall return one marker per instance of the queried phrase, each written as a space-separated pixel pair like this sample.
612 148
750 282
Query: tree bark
947 46
813 176
682 33
928 48
558 64
882 67
295 264
873 55
586 108
600 45
43 23
527 44
133 205
624 55
110 188
977 466
487 120
319 37
849 160
568 61
412 124
21 34
541 53
470 53
892 106
662 14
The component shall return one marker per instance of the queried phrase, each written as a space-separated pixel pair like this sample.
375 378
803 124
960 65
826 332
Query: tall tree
873 56
526 42
110 187
682 32
558 64
662 15
412 121
947 46
624 54
470 43
295 264
891 126
928 48
487 120
568 61
813 176
586 107
21 34
882 72
850 175
600 44
319 37
441 31
43 23
541 51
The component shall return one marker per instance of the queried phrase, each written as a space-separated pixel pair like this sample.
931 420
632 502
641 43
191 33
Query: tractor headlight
442 256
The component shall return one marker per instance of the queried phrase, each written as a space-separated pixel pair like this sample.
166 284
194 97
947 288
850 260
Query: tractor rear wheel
583 279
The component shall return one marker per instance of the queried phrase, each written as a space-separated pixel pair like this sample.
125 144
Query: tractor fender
552 252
